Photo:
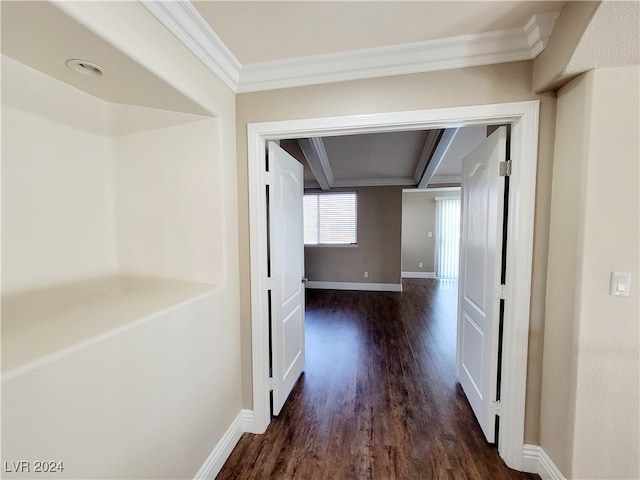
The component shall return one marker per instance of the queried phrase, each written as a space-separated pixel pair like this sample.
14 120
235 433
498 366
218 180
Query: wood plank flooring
378 398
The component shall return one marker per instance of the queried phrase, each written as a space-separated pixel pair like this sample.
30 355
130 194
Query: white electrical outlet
420 265
366 274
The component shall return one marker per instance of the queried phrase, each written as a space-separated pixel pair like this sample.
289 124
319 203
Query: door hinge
268 178
501 292
272 384
496 407
505 168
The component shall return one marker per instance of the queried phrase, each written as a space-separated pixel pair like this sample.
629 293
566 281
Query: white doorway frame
523 118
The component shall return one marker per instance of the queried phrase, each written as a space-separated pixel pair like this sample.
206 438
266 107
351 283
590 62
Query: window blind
447 237
330 218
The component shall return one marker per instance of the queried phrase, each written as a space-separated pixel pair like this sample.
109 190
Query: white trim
539 29
441 54
440 179
214 462
191 29
372 182
418 274
523 117
536 460
369 287
431 189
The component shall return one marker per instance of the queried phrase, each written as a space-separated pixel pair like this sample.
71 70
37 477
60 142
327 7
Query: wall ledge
536 460
220 453
67 318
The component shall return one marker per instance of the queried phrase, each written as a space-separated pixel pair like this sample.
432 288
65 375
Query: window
447 236
330 218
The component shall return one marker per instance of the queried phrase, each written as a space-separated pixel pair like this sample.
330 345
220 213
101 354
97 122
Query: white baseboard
418 274
374 287
214 462
536 460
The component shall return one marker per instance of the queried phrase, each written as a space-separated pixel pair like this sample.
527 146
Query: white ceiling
264 45
258 31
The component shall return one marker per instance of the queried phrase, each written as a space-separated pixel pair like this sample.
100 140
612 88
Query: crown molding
189 27
539 29
441 54
373 182
445 179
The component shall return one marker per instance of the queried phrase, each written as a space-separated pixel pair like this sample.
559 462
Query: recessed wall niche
110 213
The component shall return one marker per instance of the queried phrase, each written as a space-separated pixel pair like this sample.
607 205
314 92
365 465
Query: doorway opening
523 118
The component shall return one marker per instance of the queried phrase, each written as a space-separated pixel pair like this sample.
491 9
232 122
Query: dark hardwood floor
378 398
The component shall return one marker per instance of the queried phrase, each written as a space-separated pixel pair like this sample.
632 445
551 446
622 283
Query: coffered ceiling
413 159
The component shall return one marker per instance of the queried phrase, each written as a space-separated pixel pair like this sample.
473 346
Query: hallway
378 399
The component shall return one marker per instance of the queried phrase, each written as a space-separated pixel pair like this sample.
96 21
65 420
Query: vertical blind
330 218
447 237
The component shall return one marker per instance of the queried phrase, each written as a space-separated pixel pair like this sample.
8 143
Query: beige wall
418 219
551 65
378 249
590 402
470 86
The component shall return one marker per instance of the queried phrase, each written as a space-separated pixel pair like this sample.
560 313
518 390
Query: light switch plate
620 284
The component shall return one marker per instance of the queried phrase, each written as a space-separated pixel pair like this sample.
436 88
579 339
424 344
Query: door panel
287 269
480 265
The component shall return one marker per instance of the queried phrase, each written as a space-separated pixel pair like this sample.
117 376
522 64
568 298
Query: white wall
168 201
418 219
140 404
591 375
154 400
58 221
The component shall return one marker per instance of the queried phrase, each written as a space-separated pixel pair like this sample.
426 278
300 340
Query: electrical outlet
420 265
366 274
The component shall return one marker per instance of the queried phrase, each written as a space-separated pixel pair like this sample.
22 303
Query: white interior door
480 266
287 271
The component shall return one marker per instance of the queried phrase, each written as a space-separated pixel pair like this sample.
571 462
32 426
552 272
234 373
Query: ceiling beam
316 155
430 144
438 155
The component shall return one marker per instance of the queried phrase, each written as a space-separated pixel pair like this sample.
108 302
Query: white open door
287 271
481 240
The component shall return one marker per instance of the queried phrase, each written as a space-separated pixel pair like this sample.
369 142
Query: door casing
523 118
